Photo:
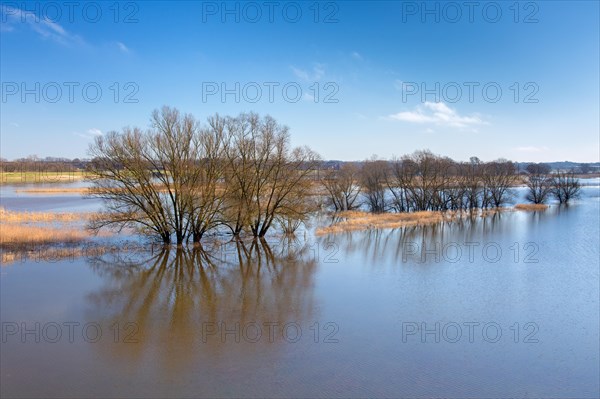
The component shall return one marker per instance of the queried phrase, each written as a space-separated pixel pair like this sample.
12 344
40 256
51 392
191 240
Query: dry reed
531 207
19 229
7 216
17 235
356 220
56 190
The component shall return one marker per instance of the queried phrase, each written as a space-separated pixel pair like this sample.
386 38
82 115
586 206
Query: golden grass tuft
56 190
357 220
80 190
531 207
40 177
39 217
19 229
17 235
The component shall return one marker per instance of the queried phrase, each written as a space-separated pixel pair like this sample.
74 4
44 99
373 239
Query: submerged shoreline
360 220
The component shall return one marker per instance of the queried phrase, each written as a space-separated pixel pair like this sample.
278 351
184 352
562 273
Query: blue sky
351 79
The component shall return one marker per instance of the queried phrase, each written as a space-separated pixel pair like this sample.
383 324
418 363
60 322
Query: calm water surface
14 197
502 306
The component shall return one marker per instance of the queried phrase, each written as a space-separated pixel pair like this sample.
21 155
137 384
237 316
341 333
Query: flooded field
505 305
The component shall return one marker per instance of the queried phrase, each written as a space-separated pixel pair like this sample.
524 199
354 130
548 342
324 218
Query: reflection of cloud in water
176 298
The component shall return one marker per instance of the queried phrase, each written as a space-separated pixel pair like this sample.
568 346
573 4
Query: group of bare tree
541 184
424 181
341 188
181 179
421 181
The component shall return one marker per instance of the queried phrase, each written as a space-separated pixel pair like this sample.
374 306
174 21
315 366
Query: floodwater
501 306
15 198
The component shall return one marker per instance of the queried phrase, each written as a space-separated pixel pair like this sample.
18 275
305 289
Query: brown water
503 306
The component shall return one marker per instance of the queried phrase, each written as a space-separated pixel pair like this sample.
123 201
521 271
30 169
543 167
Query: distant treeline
34 163
47 164
521 167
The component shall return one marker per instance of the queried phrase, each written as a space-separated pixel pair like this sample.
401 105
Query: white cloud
123 48
531 149
440 114
300 73
44 27
308 97
399 85
95 132
90 134
14 124
313 75
357 56
319 71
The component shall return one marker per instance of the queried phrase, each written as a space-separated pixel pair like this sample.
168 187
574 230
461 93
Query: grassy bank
531 207
41 217
55 190
356 220
16 235
41 177
18 229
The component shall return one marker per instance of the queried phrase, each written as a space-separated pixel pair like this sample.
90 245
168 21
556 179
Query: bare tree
239 176
123 178
394 183
341 187
498 178
373 177
207 198
539 184
423 180
565 186
266 179
471 181
157 180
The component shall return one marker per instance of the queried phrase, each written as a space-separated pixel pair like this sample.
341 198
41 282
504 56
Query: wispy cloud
44 27
90 134
124 49
312 75
438 113
531 149
399 84
4 27
357 56
308 97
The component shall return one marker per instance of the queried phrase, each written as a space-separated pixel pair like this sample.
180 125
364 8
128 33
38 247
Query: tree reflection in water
179 300
395 246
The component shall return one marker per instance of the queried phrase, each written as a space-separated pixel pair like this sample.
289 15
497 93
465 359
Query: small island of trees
181 178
